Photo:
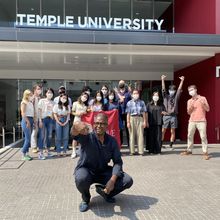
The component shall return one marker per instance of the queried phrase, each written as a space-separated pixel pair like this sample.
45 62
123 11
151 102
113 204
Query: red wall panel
195 16
217 17
203 76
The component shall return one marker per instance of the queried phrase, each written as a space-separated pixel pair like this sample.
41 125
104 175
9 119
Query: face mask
155 98
49 95
99 98
111 97
172 92
192 92
63 100
83 99
136 97
104 91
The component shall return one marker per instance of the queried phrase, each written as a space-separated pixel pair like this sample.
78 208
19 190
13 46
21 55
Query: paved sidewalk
167 186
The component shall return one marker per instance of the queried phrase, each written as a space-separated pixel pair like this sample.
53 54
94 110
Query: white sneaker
73 155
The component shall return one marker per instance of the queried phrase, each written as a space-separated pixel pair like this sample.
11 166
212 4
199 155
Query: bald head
101 116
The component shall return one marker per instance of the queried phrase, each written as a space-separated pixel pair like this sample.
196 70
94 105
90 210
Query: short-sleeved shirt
46 107
95 156
29 110
136 107
78 107
61 111
171 102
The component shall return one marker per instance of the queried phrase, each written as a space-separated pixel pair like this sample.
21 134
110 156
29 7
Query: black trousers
84 178
155 139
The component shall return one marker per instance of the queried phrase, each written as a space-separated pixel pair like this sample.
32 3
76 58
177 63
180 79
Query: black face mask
121 86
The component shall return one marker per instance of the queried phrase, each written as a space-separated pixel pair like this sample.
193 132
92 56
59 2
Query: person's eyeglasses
102 124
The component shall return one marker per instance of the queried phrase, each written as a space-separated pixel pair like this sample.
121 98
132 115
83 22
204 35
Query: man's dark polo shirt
95 156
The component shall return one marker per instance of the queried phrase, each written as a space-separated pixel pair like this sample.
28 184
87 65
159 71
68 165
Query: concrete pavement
167 186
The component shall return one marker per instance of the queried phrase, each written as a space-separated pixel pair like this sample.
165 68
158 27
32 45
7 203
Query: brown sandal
185 153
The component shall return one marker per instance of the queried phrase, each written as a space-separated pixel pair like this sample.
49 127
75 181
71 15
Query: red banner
113 122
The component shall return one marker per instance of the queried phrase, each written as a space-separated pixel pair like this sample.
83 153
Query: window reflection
121 9
29 7
98 8
7 13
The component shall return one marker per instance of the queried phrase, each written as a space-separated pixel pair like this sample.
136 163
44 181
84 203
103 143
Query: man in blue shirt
97 149
137 120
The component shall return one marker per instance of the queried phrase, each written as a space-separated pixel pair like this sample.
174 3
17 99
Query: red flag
113 122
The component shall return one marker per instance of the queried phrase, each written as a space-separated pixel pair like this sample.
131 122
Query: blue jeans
62 135
45 133
27 134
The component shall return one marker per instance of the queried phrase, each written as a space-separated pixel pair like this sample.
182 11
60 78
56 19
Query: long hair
60 104
80 101
112 92
159 102
101 94
26 95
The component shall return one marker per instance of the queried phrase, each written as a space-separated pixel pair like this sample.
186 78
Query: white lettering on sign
88 22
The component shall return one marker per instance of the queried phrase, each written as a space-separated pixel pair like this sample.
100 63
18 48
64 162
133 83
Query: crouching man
97 150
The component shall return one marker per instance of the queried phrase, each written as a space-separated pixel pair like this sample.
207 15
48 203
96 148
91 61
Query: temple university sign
48 21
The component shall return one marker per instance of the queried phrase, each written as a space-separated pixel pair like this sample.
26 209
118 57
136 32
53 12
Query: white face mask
172 92
155 98
192 92
83 99
63 100
99 98
111 97
49 95
136 97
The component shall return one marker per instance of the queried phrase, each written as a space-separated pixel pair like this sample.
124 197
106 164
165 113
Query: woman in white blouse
62 114
27 114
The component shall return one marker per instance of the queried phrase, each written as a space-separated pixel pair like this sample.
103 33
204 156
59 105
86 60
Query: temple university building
94 42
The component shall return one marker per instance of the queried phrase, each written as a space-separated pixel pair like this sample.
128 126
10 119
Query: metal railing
8 132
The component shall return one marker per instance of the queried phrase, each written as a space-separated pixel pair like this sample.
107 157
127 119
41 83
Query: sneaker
41 157
185 153
73 155
34 150
83 206
49 154
26 158
30 158
100 191
52 148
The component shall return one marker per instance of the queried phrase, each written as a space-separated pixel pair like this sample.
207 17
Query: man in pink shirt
197 107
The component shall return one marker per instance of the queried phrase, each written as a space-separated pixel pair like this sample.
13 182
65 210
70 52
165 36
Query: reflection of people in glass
97 149
27 114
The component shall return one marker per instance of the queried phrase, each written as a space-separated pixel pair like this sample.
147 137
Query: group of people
97 148
42 115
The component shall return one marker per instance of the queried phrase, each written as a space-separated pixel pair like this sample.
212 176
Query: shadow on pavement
125 206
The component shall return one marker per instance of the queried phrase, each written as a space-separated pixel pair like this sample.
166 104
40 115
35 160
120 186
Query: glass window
143 9
7 13
98 8
75 8
163 9
121 9
53 7
29 7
